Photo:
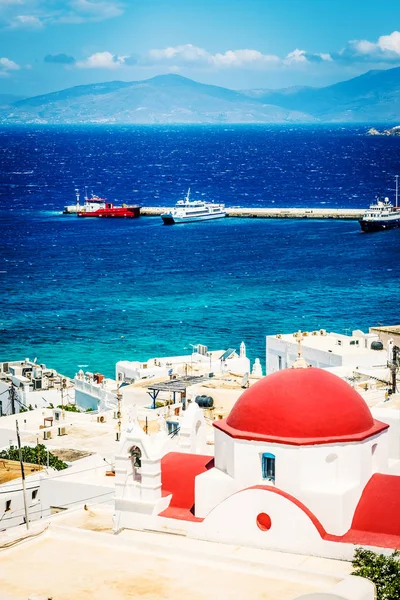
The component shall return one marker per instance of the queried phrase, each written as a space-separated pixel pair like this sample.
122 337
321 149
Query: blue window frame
268 466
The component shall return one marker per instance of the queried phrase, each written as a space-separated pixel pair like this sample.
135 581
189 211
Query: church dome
301 406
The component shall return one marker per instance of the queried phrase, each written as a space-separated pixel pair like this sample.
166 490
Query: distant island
172 99
392 131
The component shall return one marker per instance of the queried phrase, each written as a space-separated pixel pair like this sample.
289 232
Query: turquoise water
88 292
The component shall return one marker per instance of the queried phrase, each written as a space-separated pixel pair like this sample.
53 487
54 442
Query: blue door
268 466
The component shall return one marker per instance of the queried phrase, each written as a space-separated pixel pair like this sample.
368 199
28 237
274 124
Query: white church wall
391 416
328 478
224 450
234 521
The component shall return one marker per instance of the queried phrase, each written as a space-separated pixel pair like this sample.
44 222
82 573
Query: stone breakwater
275 213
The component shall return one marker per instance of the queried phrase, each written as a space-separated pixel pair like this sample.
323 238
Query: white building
85 444
199 362
95 392
27 385
325 349
300 466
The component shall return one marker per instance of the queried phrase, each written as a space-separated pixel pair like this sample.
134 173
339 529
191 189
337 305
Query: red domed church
300 465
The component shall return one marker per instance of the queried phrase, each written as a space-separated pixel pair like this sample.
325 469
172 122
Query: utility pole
23 477
12 398
119 415
393 368
63 386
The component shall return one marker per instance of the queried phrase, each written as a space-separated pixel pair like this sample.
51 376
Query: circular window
264 522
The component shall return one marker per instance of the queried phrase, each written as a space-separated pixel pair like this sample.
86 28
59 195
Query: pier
274 213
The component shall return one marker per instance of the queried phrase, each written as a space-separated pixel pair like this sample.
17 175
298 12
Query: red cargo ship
99 207
109 210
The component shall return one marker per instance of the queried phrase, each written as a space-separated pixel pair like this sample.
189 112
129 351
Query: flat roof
387 328
327 342
151 565
11 469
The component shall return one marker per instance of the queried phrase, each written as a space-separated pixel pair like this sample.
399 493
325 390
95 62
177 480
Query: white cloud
28 21
96 10
245 57
386 48
297 56
390 43
45 12
102 60
190 54
184 53
7 65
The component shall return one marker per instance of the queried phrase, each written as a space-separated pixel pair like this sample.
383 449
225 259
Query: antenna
397 189
86 196
187 195
77 196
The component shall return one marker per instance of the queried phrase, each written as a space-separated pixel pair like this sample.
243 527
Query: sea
86 293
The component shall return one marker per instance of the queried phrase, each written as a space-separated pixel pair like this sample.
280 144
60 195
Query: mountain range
372 97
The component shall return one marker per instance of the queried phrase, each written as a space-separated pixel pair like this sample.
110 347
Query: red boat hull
130 212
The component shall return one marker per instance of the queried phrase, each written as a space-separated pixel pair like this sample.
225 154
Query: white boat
382 214
188 211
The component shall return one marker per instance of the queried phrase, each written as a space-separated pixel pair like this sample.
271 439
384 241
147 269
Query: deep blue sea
88 292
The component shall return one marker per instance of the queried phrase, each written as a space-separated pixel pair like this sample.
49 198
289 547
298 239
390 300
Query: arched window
136 456
268 466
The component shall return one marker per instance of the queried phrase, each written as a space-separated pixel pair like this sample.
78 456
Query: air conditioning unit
314 333
62 431
322 331
101 419
47 435
115 414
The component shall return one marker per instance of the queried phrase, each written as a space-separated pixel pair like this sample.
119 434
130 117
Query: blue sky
47 45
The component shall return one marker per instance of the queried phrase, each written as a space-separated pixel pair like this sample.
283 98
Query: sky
49 45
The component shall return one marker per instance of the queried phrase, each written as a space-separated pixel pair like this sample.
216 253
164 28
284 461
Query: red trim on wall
237 434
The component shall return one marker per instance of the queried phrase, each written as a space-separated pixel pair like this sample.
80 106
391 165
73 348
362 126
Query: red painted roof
301 406
376 520
178 472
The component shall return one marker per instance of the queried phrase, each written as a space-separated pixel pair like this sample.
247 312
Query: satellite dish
245 381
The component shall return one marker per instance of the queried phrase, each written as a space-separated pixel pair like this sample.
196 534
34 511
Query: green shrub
382 570
36 455
69 407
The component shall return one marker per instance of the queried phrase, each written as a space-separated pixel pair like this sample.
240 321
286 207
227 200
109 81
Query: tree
382 570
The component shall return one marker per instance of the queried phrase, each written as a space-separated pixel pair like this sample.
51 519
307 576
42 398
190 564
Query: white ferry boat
382 214
187 211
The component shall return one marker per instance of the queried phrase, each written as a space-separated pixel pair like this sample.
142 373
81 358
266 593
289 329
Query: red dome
301 406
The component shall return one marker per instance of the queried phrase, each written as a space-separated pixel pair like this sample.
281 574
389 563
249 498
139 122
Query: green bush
382 570
36 455
69 407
